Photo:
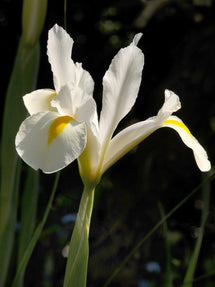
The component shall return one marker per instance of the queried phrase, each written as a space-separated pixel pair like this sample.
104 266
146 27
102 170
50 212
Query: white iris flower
63 123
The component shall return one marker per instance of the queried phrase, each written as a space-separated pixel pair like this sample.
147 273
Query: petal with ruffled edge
39 101
84 112
48 142
171 104
59 50
128 138
120 87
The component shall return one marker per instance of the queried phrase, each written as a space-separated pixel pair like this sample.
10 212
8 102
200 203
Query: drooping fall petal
134 134
198 151
48 142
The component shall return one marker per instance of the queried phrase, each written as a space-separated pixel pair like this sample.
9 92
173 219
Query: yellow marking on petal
179 124
51 98
57 127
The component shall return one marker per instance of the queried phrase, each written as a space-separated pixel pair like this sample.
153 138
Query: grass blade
23 264
23 79
188 280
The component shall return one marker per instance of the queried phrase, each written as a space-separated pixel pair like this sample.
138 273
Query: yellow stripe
57 127
51 98
179 124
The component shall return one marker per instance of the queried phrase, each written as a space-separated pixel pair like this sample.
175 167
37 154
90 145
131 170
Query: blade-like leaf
189 277
28 214
23 263
23 80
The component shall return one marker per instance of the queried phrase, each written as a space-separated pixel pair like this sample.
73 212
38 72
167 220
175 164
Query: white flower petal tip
59 50
137 38
48 142
199 152
171 104
200 156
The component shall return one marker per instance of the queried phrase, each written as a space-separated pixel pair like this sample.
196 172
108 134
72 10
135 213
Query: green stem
188 280
168 275
65 17
76 269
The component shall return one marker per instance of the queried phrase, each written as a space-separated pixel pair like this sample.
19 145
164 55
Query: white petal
198 151
39 101
127 139
137 38
83 79
47 142
121 85
59 50
85 111
63 102
171 105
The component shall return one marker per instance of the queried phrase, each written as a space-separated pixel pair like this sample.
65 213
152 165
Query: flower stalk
76 268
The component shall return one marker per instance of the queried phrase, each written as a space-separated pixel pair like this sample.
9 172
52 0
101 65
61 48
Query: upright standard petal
48 142
59 50
120 87
39 101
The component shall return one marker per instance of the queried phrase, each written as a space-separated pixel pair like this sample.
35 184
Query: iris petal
50 153
128 138
59 51
198 151
121 85
39 100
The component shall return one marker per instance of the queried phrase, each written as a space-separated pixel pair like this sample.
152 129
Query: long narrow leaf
23 80
188 280
23 264
28 214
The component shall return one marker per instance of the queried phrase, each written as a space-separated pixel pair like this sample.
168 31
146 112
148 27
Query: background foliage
178 43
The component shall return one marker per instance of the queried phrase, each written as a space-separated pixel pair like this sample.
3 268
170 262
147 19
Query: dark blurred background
179 44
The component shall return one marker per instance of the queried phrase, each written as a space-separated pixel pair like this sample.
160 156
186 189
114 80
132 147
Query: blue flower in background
70 217
153 267
144 283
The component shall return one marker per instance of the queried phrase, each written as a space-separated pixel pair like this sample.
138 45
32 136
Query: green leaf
23 263
28 214
76 269
23 80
